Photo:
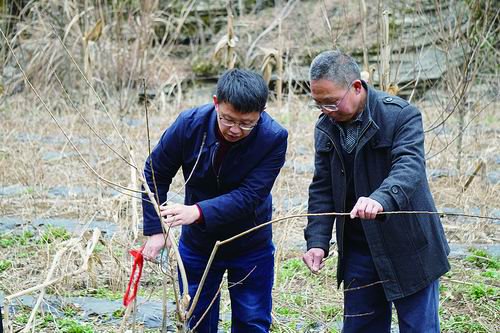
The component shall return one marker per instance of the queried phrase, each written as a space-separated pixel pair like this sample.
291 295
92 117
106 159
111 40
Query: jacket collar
369 127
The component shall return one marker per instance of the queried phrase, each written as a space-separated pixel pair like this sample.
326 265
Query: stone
493 177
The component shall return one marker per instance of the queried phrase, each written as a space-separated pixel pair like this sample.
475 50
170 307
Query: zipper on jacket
222 163
345 185
363 133
216 172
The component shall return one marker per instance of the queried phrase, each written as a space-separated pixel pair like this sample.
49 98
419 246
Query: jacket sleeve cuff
152 229
387 201
319 244
200 220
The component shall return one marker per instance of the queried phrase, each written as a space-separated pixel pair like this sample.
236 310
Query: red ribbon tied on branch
135 276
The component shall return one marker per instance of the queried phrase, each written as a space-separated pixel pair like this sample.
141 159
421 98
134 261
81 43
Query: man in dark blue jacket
369 158
230 152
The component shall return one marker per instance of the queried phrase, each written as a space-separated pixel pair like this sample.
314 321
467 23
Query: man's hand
180 214
314 259
366 208
153 246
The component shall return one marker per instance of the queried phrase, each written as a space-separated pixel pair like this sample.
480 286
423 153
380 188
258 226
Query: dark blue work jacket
409 251
232 200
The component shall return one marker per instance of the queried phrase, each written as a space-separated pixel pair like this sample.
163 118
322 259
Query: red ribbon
135 276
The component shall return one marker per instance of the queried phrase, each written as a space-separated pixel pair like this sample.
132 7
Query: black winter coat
409 251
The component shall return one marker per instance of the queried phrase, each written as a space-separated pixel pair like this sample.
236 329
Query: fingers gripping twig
182 270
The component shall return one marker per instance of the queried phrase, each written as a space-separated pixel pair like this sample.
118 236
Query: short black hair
245 90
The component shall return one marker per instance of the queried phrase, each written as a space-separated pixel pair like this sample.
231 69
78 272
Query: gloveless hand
153 246
313 259
366 208
178 214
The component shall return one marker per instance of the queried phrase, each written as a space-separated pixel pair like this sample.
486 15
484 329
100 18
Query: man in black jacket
369 158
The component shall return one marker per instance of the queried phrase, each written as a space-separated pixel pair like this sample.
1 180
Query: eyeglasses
330 107
231 123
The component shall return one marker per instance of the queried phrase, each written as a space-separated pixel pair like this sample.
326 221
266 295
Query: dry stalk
363 11
134 201
365 286
283 14
279 65
164 301
128 311
478 168
66 247
385 52
226 45
209 306
231 39
72 243
359 314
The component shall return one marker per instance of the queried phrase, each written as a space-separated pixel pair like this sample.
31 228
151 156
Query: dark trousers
367 310
250 282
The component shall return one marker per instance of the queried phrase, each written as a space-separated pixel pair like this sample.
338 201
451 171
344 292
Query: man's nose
235 129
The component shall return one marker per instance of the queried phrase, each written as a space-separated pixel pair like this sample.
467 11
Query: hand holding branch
366 208
178 214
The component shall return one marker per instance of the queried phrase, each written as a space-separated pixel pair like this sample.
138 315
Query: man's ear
357 86
215 100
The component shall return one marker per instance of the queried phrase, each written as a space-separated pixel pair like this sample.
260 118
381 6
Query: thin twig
283 14
59 125
106 111
365 286
281 219
192 170
217 295
359 315
89 250
209 306
89 125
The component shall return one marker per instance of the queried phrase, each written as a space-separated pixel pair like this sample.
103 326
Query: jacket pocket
380 159
403 236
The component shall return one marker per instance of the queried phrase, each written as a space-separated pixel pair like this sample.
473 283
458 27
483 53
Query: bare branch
57 122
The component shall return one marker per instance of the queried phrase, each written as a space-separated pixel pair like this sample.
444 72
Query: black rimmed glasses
231 123
330 107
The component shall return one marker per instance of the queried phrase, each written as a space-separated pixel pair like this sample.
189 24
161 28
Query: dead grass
23 163
35 157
